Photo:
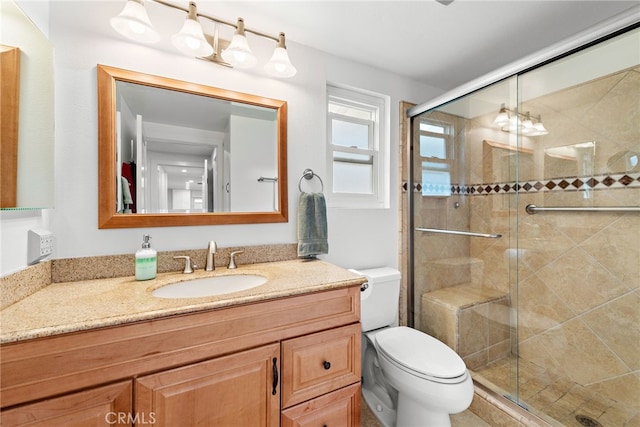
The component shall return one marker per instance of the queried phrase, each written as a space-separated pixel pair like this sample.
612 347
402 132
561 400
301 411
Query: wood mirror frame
10 89
107 216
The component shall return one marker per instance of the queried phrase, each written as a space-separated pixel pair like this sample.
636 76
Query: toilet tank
379 299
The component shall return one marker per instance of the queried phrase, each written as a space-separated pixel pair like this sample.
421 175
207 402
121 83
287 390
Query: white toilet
408 377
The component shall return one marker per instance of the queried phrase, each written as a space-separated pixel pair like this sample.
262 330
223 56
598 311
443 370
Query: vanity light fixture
190 40
134 24
279 65
516 122
238 54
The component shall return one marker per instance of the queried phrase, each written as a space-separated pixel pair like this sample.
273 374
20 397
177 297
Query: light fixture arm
214 19
515 112
192 11
281 41
513 120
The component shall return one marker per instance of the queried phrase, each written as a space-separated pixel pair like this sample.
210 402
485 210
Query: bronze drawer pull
327 365
275 376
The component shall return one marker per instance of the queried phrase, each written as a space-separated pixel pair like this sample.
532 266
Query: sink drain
587 421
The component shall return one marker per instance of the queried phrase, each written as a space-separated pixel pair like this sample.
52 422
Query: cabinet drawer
319 363
340 408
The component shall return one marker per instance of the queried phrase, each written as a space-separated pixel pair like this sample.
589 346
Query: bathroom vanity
287 352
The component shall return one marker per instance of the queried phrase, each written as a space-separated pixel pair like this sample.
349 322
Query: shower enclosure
524 232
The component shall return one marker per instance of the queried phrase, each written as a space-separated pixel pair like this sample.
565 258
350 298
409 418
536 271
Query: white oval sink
210 286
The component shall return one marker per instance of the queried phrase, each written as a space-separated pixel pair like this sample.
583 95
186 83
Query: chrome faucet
232 259
211 251
188 264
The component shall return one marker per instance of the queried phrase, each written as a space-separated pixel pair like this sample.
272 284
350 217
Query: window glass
433 146
350 111
352 178
435 182
349 134
434 128
357 148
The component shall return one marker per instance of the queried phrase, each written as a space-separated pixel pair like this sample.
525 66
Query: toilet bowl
409 377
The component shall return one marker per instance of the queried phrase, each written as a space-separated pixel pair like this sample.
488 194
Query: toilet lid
420 352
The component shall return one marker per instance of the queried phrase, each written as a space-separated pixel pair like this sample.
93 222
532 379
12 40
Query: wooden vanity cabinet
236 390
217 367
339 408
101 406
321 379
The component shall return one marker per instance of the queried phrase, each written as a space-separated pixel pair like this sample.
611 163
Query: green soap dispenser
146 260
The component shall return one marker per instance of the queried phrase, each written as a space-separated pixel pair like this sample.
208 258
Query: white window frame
379 143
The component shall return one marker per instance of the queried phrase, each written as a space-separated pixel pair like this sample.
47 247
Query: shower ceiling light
134 24
522 124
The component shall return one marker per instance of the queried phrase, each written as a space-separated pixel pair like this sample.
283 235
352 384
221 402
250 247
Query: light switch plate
39 245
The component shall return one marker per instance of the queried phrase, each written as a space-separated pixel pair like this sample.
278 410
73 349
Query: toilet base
414 414
383 412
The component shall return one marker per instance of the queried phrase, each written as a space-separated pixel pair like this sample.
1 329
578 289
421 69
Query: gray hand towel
312 225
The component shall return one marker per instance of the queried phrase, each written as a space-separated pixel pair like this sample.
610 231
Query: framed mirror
174 153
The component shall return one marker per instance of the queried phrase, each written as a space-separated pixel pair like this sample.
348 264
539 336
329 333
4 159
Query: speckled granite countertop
76 306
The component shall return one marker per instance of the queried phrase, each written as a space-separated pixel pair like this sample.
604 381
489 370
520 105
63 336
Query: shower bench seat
473 320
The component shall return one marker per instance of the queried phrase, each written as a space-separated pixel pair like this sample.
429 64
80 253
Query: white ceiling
443 46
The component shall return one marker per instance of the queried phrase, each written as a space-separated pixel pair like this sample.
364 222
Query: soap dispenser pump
146 260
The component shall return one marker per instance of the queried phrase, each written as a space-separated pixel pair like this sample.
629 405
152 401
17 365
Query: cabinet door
340 408
102 406
319 363
241 389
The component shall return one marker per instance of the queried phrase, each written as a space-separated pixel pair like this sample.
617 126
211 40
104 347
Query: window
435 152
358 146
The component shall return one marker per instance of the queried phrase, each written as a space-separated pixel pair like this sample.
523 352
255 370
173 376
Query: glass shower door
525 231
464 208
579 266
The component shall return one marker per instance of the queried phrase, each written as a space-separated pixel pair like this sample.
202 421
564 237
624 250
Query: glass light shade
279 65
190 40
513 125
133 23
527 127
502 119
238 54
539 129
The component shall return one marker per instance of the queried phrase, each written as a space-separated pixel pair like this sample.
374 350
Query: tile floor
464 419
561 399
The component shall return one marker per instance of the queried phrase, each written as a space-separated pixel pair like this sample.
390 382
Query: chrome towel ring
308 174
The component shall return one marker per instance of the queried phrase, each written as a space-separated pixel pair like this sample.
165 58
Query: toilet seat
421 355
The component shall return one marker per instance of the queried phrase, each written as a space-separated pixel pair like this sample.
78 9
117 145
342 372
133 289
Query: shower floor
557 397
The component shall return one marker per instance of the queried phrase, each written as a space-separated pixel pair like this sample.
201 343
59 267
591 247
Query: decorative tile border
599 182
